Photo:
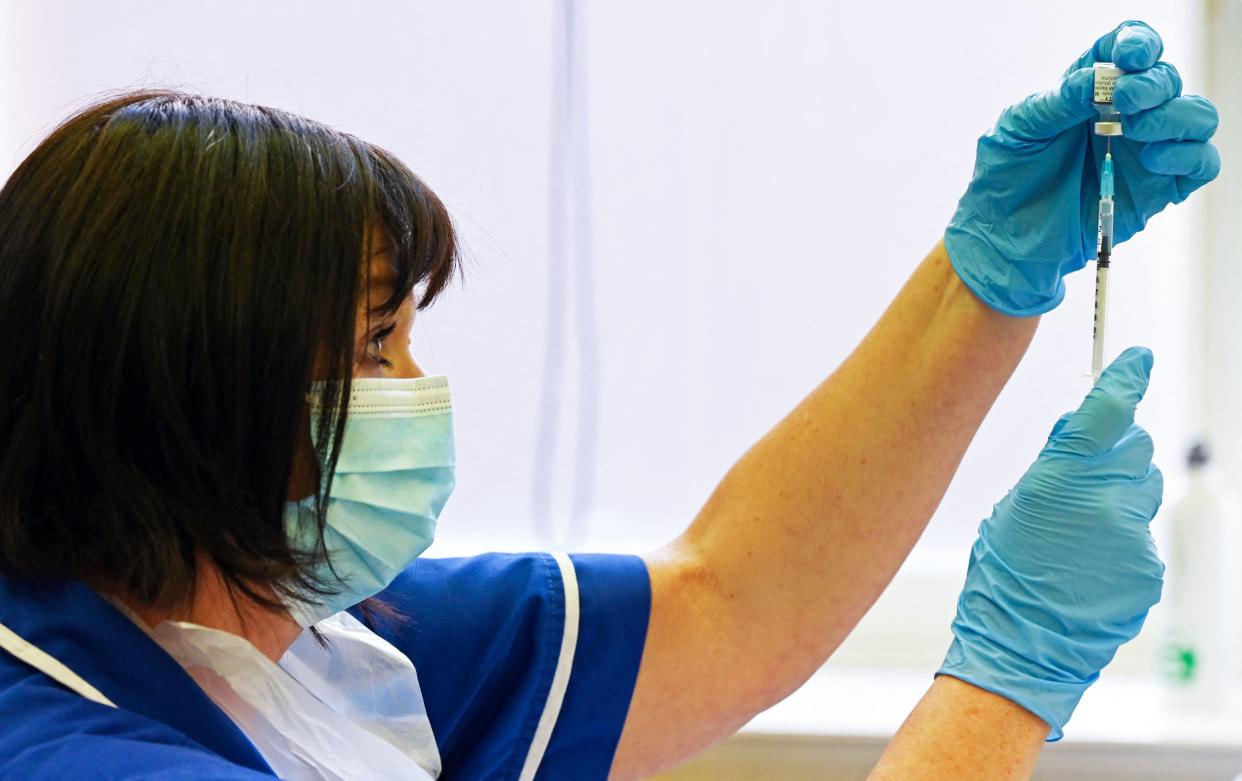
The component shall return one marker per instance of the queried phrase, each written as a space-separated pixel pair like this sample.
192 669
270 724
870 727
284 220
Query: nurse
219 463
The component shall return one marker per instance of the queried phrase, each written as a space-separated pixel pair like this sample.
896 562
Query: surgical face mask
393 476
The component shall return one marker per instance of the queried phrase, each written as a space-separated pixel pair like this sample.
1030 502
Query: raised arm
807 529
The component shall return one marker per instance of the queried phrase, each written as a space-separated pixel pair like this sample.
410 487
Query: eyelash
378 341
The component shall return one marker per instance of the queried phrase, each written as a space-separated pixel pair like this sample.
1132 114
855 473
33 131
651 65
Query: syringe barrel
1106 220
1101 318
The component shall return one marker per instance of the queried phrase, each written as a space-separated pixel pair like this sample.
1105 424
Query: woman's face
383 349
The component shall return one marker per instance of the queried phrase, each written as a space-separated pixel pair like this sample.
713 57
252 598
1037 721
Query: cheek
303 478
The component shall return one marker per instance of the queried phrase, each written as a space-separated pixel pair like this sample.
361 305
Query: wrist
962 732
1017 290
963 321
1045 691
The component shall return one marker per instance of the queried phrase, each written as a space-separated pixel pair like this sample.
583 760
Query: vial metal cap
1108 129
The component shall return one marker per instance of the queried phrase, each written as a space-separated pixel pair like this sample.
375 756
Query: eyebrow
385 278
381 282
383 273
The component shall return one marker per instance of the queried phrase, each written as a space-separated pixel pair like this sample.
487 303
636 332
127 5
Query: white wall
1218 289
763 176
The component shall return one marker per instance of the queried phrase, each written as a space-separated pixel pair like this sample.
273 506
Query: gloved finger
1108 411
1059 425
1146 89
1131 456
1188 118
1131 46
1047 114
1142 495
1138 48
1153 487
1197 160
1186 186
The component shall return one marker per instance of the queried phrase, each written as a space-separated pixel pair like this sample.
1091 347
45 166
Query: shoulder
525 660
49 732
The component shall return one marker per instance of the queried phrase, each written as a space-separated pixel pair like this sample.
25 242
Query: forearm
810 525
963 733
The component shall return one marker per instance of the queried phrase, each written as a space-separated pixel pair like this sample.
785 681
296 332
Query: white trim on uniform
49 666
560 679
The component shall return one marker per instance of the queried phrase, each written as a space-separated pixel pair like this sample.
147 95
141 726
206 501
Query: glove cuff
991 669
994 280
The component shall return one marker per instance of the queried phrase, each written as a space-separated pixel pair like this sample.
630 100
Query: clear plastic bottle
1200 589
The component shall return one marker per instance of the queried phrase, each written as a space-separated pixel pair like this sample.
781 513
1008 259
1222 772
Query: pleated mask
394 474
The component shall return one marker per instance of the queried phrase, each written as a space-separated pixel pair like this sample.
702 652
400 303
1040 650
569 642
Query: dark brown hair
173 268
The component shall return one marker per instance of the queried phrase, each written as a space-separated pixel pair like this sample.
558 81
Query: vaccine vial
1106 75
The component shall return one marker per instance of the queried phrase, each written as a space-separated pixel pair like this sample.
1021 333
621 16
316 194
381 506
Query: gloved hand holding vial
1031 212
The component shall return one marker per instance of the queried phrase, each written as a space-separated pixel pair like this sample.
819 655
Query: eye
377 342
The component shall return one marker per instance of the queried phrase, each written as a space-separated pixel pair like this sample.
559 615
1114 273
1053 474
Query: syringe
1101 266
1109 125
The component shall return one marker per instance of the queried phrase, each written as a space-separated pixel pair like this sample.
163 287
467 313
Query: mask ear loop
324 408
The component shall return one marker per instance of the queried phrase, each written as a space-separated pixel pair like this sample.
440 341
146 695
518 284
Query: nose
405 367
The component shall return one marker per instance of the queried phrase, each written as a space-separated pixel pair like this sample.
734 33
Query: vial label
1105 80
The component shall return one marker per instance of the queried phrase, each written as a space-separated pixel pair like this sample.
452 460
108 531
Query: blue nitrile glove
1065 570
1030 214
